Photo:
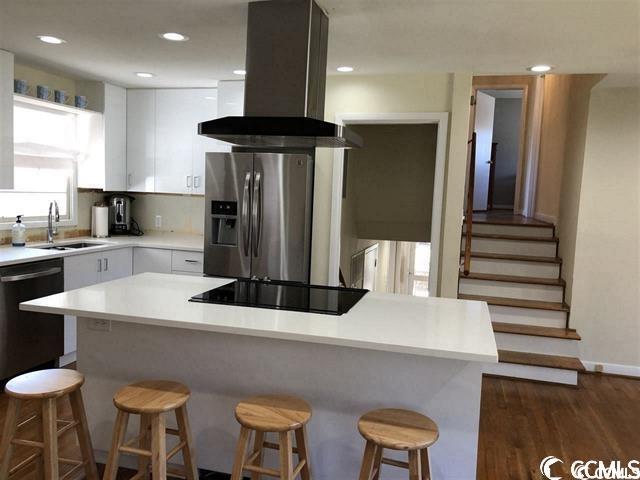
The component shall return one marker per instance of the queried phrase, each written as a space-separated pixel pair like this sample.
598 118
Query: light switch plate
158 221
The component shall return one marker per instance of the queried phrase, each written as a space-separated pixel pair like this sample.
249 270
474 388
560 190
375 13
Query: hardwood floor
521 422
506 217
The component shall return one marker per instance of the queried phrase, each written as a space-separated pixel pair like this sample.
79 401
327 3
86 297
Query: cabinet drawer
182 261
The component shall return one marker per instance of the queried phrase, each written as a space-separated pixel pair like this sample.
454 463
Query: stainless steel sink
70 246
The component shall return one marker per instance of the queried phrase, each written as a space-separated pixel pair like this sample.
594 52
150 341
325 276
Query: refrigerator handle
256 213
244 219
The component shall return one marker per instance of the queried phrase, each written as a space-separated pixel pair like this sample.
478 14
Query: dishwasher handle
29 276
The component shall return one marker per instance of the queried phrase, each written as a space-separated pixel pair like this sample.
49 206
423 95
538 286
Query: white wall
440 92
605 305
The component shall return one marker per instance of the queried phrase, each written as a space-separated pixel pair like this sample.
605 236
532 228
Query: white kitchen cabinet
105 166
88 269
230 98
187 262
205 107
155 260
6 120
141 140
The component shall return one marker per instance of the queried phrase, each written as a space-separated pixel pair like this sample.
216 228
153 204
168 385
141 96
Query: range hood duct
285 83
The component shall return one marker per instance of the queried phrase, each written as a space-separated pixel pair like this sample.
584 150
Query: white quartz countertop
438 327
175 241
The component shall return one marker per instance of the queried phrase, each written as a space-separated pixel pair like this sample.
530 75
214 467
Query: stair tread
496 277
509 256
522 238
540 360
517 302
535 330
510 222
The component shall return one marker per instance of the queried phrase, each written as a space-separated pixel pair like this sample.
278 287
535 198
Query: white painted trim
67 359
439 118
546 218
533 150
613 368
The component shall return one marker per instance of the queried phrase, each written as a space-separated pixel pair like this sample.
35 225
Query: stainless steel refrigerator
258 215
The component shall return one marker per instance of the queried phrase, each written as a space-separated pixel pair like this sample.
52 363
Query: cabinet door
151 260
141 140
115 138
205 107
117 264
174 138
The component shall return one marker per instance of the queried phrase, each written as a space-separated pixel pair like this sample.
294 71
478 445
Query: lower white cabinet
89 269
187 262
155 260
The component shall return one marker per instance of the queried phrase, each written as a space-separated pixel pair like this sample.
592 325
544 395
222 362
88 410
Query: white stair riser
528 316
535 344
510 230
512 247
510 267
542 374
523 291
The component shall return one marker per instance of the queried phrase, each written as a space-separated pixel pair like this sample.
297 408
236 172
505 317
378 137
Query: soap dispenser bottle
18 233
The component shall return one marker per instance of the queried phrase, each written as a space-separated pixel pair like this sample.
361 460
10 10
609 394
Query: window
47 147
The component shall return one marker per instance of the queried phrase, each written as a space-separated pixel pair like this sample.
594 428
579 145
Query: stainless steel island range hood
285 83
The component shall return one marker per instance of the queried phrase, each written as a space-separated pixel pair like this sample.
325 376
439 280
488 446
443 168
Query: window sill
34 224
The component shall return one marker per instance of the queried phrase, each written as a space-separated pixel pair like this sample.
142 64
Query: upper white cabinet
6 120
105 166
141 140
231 98
205 106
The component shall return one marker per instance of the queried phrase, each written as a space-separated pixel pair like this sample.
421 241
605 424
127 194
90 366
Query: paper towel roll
100 222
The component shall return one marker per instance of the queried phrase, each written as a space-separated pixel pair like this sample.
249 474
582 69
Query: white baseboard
613 368
545 218
67 359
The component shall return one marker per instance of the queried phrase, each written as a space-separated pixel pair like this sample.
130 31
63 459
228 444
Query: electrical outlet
158 221
599 368
100 325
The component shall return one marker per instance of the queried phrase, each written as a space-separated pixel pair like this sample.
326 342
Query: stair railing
468 217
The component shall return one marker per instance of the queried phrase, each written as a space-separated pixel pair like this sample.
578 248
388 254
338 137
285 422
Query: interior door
281 216
485 107
370 268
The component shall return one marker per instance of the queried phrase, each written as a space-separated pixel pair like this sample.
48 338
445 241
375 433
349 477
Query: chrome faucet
52 230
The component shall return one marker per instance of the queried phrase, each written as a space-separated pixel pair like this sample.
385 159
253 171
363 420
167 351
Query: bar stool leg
377 462
188 452
286 456
158 447
414 465
10 424
367 461
424 462
119 430
50 438
144 444
303 454
84 439
241 450
257 447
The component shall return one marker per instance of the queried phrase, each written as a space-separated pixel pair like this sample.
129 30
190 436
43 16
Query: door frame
441 119
530 125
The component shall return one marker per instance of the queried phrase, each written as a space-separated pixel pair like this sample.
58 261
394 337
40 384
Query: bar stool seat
282 414
47 386
397 429
151 399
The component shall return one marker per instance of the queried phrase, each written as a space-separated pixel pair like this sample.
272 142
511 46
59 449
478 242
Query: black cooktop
283 296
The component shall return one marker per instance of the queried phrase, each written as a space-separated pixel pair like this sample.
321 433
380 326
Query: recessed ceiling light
145 74
540 68
345 69
174 37
240 72
51 39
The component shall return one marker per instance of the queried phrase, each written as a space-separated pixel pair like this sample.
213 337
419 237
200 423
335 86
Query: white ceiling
111 39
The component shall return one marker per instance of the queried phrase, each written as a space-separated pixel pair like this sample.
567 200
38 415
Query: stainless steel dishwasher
28 339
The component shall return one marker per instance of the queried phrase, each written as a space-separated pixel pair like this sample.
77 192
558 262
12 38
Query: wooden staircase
514 266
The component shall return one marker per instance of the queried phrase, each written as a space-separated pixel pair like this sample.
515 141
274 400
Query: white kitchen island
387 351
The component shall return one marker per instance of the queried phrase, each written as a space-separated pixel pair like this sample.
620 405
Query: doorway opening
387 201
499 125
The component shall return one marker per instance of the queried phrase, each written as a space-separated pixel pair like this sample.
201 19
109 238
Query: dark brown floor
520 423
505 217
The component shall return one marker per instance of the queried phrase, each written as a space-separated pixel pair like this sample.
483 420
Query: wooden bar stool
151 400
397 429
281 414
47 386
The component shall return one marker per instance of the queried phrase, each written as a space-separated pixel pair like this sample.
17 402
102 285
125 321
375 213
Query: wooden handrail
468 217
